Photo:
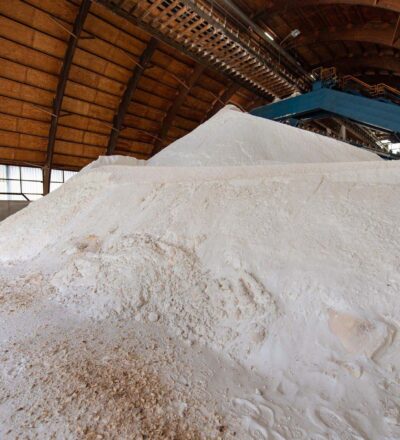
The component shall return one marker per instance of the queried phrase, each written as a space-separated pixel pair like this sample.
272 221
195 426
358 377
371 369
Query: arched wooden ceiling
359 37
280 6
76 80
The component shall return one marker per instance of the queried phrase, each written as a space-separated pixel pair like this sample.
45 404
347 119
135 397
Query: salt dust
243 283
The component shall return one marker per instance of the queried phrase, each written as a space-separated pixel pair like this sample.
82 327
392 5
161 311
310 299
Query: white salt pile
234 138
230 296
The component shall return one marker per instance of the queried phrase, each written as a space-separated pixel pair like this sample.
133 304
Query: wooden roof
43 44
83 78
358 37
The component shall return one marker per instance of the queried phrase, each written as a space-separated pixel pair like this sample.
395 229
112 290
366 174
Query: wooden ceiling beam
183 92
203 53
363 34
62 83
222 100
281 6
137 73
396 33
352 64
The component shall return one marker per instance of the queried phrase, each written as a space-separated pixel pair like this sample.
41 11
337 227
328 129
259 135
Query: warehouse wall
8 208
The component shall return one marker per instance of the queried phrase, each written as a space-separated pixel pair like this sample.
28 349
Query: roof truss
183 92
280 6
137 73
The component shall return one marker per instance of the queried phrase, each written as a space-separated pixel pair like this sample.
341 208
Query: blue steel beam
368 111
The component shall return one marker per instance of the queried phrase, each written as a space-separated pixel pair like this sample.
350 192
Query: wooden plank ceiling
358 37
79 78
170 96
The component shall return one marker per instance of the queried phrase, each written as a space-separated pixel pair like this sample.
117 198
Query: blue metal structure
324 101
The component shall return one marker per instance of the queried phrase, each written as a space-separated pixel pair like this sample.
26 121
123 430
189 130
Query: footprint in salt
291 433
256 418
359 421
267 415
255 429
337 424
276 436
245 408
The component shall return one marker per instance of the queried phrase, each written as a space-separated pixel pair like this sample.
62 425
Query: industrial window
26 183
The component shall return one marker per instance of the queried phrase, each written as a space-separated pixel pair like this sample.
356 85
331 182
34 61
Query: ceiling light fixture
269 35
294 34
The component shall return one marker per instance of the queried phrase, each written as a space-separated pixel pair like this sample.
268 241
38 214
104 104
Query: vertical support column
46 179
343 132
62 83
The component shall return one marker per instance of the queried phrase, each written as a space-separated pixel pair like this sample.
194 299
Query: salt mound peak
114 160
234 138
279 285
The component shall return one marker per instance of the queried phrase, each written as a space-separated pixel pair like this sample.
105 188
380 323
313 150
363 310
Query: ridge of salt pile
264 296
234 138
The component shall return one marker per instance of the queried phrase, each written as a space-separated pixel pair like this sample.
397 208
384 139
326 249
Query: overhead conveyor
377 106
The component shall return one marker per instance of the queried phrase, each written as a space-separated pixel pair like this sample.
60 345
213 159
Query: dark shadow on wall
9 207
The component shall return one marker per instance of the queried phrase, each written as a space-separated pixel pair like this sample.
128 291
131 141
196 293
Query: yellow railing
330 74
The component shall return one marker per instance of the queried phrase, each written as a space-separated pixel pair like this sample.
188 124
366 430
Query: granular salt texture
261 300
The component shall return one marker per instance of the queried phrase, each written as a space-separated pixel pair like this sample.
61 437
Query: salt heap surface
234 138
280 279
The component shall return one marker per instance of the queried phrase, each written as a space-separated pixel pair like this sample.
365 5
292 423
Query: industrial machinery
347 99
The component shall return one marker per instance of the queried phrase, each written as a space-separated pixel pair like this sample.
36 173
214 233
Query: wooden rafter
96 82
62 83
363 34
280 6
223 99
396 33
188 39
362 63
137 73
183 92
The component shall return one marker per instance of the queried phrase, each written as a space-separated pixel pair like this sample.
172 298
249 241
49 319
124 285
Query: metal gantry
205 37
326 101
